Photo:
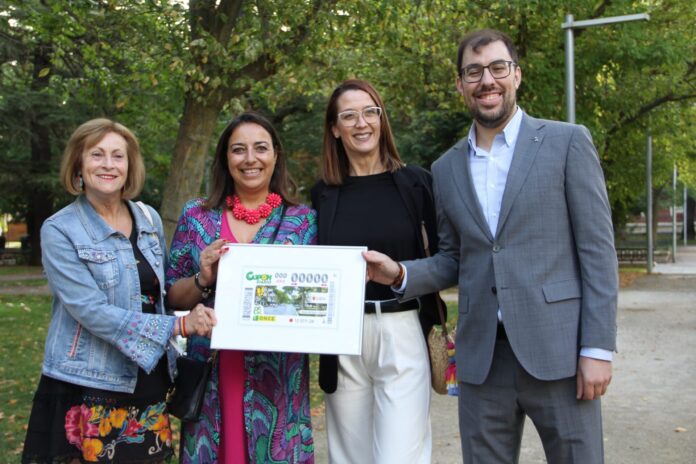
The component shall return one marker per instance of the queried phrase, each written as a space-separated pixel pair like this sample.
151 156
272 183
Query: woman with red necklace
256 406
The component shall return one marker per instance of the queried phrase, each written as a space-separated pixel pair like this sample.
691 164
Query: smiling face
363 138
251 159
105 167
490 101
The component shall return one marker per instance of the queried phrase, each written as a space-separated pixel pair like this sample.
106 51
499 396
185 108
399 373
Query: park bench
632 255
13 256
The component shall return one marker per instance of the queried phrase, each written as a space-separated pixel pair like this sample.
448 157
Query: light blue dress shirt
489 169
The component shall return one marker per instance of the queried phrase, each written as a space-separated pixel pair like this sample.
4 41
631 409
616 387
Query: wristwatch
205 291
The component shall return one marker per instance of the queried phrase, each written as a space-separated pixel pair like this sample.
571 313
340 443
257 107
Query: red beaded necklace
252 216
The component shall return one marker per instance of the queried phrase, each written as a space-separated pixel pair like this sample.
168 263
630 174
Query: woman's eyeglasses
349 118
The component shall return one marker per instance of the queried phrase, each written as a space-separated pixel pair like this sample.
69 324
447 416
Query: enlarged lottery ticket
284 297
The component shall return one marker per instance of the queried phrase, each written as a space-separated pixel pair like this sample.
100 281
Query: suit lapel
528 142
460 166
328 201
408 189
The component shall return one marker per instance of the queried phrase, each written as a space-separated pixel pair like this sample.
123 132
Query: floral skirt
71 422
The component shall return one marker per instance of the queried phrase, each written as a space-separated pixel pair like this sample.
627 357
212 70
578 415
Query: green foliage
104 59
146 63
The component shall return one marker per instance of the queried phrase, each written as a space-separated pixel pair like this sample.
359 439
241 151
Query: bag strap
145 211
438 300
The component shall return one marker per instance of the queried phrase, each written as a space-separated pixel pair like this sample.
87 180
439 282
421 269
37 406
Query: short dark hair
481 38
222 183
335 165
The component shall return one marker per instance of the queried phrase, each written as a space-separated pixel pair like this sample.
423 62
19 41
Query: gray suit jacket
551 268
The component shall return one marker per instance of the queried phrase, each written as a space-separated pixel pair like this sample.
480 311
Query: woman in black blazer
377 404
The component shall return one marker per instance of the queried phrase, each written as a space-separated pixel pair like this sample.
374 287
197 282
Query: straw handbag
443 368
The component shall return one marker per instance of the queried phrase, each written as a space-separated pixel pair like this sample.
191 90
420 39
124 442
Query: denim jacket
98 335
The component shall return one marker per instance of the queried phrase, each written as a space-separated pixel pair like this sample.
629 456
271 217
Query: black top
370 212
149 283
384 212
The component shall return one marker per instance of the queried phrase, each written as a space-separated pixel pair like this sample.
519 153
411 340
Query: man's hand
380 267
594 376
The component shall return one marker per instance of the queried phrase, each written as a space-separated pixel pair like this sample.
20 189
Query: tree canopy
176 72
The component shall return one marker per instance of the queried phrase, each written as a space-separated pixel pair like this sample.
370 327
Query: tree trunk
188 165
40 204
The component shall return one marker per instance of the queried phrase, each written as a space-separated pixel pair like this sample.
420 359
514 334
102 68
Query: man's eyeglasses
498 69
349 118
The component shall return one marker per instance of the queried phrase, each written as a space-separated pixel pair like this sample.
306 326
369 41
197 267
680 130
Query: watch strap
205 291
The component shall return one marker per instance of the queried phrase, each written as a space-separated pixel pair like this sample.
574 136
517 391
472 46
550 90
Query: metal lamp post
684 215
674 213
569 25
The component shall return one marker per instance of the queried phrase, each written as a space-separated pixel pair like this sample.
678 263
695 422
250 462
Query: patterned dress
276 395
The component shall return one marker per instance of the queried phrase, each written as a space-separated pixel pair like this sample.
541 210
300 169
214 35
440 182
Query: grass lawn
15 270
23 323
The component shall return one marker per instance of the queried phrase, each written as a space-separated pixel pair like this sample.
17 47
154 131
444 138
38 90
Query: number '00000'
309 278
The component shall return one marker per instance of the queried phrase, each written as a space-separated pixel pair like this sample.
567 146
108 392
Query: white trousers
380 412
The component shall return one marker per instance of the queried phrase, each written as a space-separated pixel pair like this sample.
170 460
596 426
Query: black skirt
71 422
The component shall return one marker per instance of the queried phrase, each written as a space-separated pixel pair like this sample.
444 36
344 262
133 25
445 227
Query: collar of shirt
489 169
509 134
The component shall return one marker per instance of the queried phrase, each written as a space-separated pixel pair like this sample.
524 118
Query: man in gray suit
525 231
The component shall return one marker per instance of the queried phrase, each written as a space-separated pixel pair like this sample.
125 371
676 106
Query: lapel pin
535 139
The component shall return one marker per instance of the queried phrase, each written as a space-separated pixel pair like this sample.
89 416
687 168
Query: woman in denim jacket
107 361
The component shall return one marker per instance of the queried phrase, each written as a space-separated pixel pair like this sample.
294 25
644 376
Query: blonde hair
87 136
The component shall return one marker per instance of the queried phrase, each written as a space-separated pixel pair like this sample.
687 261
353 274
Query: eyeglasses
349 118
498 69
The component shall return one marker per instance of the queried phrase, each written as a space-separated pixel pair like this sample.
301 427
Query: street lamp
569 25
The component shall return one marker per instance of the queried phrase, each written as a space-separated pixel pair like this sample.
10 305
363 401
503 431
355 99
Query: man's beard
494 120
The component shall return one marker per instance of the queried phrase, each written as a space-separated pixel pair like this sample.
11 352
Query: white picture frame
290 298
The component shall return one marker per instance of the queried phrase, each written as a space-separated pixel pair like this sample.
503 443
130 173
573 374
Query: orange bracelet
400 278
182 327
